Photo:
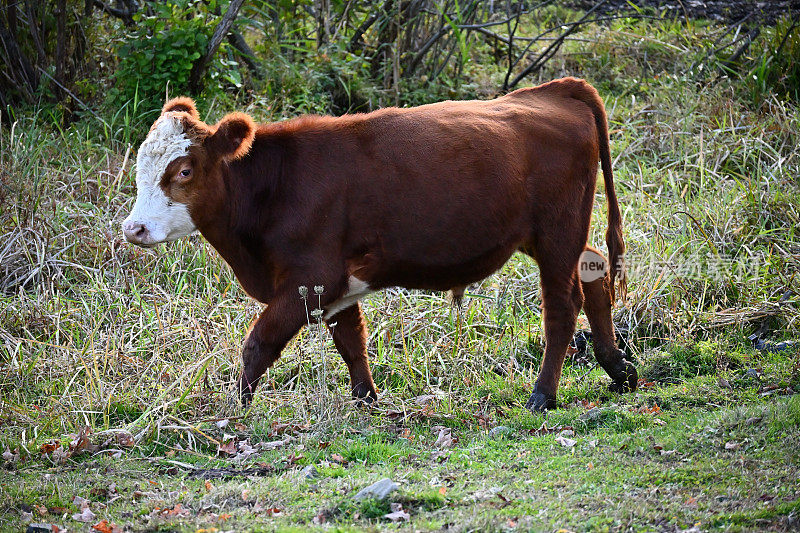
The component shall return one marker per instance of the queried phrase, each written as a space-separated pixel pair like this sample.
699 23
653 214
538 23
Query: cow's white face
155 217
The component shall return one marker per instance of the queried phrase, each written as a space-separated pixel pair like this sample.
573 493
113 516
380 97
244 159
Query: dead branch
216 39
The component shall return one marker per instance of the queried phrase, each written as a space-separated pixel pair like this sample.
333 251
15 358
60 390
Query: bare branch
216 39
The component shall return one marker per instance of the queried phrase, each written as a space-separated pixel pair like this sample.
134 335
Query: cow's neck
222 226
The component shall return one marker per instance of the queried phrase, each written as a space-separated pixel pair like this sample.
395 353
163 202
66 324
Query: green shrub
158 55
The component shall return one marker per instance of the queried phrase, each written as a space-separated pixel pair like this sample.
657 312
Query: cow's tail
581 90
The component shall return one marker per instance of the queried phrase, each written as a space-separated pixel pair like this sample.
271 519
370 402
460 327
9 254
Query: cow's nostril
135 232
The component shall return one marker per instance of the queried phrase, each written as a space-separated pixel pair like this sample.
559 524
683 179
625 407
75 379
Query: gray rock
500 431
309 472
592 414
379 490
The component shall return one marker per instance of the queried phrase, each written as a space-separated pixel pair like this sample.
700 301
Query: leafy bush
160 52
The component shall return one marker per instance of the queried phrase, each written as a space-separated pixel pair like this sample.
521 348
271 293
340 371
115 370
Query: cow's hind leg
597 305
561 301
350 337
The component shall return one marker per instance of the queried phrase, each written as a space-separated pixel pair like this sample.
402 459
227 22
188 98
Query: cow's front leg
350 337
268 335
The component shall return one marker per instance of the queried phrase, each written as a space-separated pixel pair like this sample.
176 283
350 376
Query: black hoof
540 401
625 377
364 395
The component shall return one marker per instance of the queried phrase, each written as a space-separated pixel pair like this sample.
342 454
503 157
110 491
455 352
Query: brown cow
434 197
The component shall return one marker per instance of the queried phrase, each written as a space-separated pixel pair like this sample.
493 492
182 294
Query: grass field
118 363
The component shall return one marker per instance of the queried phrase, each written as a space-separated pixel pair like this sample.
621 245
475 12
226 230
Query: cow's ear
232 137
182 104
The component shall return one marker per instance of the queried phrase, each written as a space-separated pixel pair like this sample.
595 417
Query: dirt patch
727 11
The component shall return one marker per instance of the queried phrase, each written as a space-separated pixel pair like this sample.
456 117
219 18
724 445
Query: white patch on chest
356 289
164 219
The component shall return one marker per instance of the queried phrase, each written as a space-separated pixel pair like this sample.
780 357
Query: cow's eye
186 171
169 203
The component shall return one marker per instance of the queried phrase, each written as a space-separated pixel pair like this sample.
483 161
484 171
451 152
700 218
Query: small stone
752 373
309 472
590 415
500 431
379 490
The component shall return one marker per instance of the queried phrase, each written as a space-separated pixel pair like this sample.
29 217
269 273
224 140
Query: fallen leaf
81 443
228 448
295 458
644 384
209 486
336 458
424 399
178 510
104 527
60 455
323 444
125 439
49 447
445 439
80 503
567 443
279 428
652 410
442 491
86 515
397 514
10 457
544 430
245 451
273 445
733 446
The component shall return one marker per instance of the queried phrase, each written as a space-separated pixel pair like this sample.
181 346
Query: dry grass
96 332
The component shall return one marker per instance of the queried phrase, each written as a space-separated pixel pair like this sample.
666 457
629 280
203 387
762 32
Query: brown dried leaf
228 448
125 439
81 443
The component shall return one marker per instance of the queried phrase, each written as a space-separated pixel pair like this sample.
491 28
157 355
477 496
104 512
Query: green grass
94 332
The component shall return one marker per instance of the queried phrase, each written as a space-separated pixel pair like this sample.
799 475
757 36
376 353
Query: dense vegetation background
116 363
